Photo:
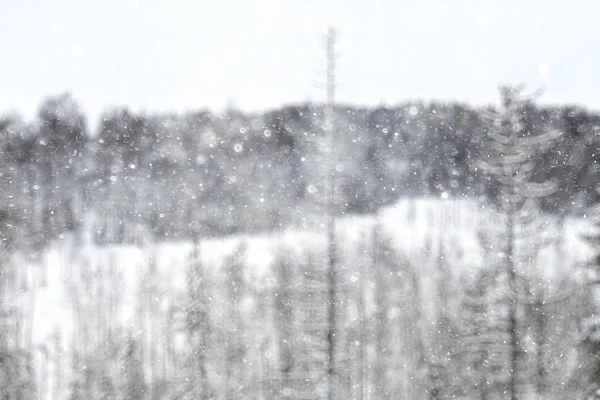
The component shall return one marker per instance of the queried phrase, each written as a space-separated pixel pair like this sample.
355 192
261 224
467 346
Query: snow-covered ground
77 294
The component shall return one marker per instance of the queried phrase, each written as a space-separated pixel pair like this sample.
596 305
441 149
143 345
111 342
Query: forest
429 251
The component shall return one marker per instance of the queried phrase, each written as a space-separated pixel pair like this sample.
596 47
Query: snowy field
81 296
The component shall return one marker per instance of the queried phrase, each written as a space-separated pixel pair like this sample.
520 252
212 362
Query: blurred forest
485 286
173 176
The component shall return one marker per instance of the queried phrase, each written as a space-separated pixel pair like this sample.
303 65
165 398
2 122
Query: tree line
169 176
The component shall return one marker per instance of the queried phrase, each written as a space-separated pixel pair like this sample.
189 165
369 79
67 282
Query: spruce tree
591 325
510 162
197 327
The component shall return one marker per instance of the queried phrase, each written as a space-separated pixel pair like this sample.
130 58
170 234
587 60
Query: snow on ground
74 285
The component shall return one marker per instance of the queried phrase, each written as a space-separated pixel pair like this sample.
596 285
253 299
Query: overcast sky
182 55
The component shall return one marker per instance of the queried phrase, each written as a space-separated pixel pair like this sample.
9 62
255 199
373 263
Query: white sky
181 55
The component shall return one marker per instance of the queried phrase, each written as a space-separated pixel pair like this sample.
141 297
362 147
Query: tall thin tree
331 236
510 162
591 322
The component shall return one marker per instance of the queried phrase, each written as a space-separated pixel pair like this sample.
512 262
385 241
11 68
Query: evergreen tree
481 348
197 327
510 162
16 364
591 323
285 320
134 385
61 140
234 327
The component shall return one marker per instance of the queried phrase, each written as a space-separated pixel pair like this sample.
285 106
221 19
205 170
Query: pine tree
481 347
135 387
16 364
510 162
285 320
62 136
197 328
235 346
591 325
311 320
331 231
